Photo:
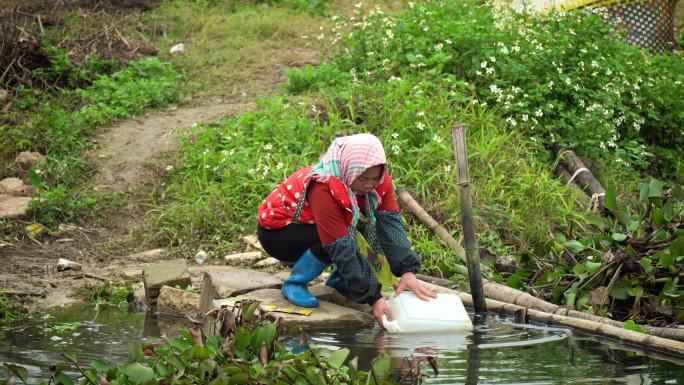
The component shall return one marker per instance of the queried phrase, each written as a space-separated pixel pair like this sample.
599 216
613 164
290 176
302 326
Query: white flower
279 165
568 81
421 113
269 146
478 73
439 47
169 168
490 70
437 139
483 64
511 121
538 113
420 126
394 135
524 118
492 59
447 168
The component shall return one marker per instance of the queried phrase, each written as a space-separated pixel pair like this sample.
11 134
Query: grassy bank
521 85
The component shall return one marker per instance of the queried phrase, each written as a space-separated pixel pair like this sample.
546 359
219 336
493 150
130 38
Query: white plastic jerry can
413 315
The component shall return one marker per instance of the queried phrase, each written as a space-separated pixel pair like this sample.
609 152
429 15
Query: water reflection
497 351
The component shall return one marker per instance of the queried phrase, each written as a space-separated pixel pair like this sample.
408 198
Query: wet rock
231 281
177 302
27 159
167 273
12 186
327 314
12 207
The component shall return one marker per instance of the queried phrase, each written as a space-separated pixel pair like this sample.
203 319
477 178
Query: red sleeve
329 216
389 201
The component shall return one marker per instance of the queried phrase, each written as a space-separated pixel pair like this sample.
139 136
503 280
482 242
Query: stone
231 281
12 186
146 255
132 274
13 207
167 273
327 314
29 191
27 159
247 258
252 242
270 261
327 293
65 264
4 95
177 302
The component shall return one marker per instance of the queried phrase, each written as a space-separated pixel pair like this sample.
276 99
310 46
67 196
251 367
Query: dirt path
129 145
29 268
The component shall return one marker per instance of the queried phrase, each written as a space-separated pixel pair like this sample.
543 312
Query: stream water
497 352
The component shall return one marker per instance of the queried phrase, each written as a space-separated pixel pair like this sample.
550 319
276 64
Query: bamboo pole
582 176
432 224
510 295
654 343
466 209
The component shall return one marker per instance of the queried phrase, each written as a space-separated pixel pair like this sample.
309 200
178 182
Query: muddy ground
123 155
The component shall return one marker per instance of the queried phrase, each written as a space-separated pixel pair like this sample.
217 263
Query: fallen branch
510 295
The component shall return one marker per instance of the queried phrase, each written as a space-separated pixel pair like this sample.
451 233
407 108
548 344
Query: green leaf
592 267
138 374
596 220
71 357
669 210
263 336
631 325
200 352
248 311
610 199
665 259
240 378
99 366
619 237
206 367
643 192
515 281
677 247
411 57
655 189
64 379
574 246
381 366
636 291
180 344
620 290
623 218
579 269
18 371
242 338
658 219
337 358
645 263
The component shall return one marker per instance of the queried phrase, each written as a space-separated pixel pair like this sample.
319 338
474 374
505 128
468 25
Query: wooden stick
467 221
420 213
507 294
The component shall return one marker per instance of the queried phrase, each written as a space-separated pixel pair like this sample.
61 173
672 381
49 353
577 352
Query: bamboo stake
466 209
510 295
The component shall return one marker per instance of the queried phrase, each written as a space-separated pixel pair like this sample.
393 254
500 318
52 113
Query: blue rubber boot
336 282
295 289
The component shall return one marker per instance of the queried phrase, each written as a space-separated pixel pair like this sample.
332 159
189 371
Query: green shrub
563 79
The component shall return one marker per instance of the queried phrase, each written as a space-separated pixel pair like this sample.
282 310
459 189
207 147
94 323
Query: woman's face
367 181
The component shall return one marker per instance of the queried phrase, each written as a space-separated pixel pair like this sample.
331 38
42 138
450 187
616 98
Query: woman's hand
410 282
381 307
